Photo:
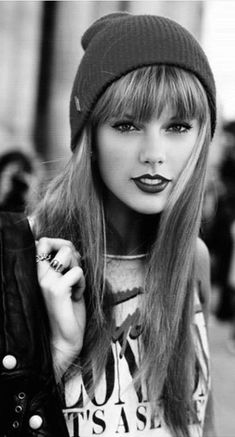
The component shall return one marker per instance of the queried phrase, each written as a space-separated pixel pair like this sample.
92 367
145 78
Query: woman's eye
179 128
124 127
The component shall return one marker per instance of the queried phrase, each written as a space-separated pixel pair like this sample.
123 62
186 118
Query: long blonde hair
73 208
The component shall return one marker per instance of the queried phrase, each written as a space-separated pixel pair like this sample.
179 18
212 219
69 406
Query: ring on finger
43 257
57 265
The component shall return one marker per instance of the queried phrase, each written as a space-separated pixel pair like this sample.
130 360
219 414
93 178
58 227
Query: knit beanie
120 42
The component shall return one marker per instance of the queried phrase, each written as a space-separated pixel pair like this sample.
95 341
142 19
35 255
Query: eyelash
179 127
120 126
128 126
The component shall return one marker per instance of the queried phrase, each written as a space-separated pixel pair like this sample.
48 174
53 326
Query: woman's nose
152 148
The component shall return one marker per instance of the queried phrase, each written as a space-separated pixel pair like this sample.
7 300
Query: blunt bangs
148 91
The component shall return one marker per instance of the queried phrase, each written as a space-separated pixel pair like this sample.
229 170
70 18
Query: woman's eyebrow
177 117
125 115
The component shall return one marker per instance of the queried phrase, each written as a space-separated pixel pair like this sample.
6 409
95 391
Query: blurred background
40 50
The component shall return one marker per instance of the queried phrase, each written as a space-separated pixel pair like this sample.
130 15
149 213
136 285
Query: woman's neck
125 240
129 232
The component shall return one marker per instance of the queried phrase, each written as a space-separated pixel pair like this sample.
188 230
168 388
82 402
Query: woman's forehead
168 112
170 108
150 92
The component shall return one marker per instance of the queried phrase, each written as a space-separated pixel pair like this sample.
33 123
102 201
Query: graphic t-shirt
118 408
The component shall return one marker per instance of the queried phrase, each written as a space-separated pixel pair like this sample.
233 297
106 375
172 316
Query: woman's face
139 162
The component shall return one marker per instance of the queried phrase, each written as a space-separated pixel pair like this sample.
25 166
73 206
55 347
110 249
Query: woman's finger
75 279
65 256
48 245
60 287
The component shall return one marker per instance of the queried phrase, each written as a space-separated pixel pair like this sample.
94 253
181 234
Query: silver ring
43 257
56 265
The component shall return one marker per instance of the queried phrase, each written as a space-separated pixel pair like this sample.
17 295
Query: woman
121 269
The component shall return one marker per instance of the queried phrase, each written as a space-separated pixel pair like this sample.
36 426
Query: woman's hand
62 288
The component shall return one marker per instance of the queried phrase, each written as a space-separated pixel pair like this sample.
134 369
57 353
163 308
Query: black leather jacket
30 404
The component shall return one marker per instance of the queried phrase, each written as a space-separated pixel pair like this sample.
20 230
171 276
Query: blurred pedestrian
16 172
231 282
217 229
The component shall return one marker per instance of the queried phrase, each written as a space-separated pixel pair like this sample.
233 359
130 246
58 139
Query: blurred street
223 377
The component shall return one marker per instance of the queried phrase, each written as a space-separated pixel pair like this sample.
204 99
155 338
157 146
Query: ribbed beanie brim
119 43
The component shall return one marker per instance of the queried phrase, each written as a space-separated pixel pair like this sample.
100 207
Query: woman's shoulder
202 272
11 219
15 231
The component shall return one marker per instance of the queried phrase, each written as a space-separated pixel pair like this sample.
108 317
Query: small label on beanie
77 104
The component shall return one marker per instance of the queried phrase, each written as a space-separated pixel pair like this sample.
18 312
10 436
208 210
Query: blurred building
40 50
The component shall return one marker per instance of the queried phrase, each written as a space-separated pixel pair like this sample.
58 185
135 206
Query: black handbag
30 403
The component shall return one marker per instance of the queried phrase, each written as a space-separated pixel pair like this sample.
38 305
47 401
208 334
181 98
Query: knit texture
119 43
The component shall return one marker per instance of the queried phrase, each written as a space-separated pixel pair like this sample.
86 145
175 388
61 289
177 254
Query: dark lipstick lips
151 183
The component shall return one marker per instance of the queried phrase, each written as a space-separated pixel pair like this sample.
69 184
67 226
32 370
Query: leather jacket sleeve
30 404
